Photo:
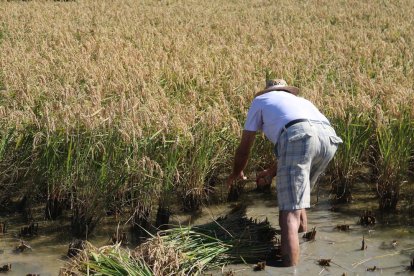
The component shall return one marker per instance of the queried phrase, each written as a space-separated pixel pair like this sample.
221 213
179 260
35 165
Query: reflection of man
304 144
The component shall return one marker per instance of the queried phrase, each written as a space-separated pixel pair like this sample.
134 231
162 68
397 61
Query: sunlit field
115 106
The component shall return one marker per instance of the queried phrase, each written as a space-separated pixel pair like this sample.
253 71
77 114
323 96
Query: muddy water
390 243
48 250
343 248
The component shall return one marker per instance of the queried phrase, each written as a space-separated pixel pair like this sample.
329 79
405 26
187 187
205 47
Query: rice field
115 106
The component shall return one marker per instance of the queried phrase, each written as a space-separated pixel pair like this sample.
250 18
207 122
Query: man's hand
265 177
234 177
264 174
268 173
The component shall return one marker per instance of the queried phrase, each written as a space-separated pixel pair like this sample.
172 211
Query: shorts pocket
335 140
298 136
298 184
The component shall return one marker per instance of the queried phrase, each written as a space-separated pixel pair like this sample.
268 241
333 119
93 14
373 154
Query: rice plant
395 140
355 131
115 262
182 250
171 178
107 260
203 156
108 112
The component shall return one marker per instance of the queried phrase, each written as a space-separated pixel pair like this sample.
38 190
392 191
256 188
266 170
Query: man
304 142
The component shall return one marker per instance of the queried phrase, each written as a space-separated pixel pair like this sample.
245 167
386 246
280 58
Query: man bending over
305 143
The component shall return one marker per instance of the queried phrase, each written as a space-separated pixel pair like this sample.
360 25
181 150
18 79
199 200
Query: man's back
271 111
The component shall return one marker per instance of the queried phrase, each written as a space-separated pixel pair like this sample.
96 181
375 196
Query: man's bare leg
289 222
303 227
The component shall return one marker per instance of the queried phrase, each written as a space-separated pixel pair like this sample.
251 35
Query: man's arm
242 156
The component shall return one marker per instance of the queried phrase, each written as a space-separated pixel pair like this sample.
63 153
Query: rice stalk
355 130
185 250
107 260
95 91
394 147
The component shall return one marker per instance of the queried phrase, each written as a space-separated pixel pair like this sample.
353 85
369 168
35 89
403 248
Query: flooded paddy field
389 243
119 106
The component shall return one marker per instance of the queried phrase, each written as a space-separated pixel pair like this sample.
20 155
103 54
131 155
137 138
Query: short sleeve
254 119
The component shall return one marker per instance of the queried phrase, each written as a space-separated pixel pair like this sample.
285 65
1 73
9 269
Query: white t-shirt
271 111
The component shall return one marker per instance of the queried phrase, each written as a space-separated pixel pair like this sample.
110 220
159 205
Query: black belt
291 123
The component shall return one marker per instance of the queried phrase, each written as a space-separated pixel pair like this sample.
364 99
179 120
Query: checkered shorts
303 151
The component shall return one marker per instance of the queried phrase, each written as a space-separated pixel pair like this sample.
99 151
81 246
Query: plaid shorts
303 152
